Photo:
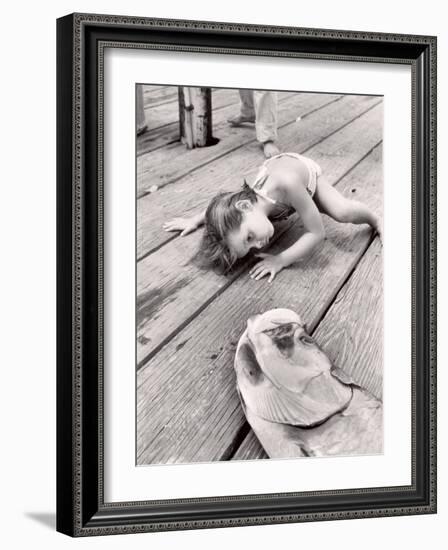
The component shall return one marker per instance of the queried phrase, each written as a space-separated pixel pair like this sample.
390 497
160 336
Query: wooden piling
195 116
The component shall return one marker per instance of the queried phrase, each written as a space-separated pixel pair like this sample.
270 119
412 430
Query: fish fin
274 405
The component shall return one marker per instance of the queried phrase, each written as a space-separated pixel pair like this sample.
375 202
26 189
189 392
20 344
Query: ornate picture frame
81 43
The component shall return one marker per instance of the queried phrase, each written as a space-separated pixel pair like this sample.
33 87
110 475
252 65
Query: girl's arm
304 205
185 225
298 197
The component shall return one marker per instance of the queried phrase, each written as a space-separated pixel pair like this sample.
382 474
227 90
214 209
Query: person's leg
141 119
247 109
331 202
266 120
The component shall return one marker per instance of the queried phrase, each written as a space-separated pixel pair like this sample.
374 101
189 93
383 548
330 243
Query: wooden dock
189 322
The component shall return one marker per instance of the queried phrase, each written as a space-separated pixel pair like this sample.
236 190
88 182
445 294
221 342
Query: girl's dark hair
221 217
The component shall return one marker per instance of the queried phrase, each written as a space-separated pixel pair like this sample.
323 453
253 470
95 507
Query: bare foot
270 149
240 119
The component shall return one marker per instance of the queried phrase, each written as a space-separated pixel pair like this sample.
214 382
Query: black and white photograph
223 261
259 274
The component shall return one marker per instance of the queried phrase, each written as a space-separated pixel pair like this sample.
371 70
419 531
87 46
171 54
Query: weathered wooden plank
351 333
157 138
187 406
193 192
170 289
154 96
250 449
352 330
152 167
152 88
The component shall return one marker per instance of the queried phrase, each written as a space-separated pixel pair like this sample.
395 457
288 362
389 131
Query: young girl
236 223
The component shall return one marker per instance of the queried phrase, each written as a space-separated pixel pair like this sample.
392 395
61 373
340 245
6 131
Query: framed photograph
246 274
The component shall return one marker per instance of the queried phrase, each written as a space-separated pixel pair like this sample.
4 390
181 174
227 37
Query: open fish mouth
253 350
281 344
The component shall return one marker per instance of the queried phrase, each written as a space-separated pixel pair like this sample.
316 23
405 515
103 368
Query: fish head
282 374
286 353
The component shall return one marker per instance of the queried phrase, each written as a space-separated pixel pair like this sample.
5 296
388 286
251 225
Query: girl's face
255 231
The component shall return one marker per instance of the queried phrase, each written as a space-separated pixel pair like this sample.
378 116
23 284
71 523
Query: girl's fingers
255 270
262 274
173 224
257 266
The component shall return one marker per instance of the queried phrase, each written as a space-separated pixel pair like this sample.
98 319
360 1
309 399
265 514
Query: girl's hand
269 264
184 225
